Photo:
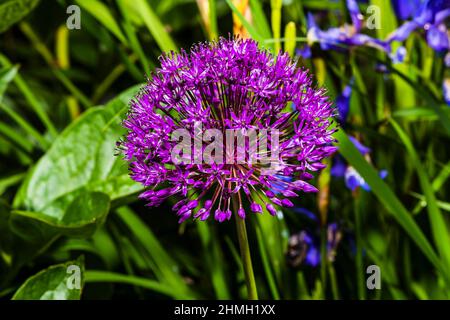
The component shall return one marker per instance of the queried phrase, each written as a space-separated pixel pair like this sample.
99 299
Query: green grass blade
290 35
95 276
276 22
213 33
251 30
266 264
16 137
438 225
130 32
32 100
101 12
214 259
28 128
259 19
423 202
386 196
154 25
167 267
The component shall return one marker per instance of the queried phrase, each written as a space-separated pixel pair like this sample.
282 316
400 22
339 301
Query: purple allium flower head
228 84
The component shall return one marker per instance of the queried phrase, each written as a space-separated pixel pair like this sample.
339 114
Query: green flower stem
246 258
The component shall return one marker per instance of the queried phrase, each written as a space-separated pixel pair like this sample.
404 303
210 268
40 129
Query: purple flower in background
228 84
343 103
399 55
446 90
429 15
343 37
353 179
304 247
406 9
304 52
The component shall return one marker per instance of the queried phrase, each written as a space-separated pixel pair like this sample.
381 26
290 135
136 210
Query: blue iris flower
429 15
343 103
353 179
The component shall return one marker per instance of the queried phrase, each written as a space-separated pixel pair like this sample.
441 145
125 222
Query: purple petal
403 31
437 38
361 148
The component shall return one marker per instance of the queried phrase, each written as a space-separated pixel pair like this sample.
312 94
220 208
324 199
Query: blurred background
67 72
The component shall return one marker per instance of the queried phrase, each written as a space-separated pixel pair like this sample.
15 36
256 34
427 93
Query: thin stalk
51 61
323 256
31 98
333 281
25 126
245 255
359 257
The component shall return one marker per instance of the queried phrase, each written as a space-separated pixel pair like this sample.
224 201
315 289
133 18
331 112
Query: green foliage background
66 199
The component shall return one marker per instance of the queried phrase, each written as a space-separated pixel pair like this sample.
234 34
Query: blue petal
361 148
339 167
404 31
311 22
312 257
406 9
306 213
343 103
383 174
355 14
441 16
437 38
446 90
399 55
352 182
429 10
304 52
365 187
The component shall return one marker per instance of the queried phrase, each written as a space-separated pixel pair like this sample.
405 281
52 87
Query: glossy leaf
13 11
55 283
81 159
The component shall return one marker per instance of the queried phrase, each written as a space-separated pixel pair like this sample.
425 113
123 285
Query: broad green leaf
102 13
57 282
80 216
81 159
13 11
